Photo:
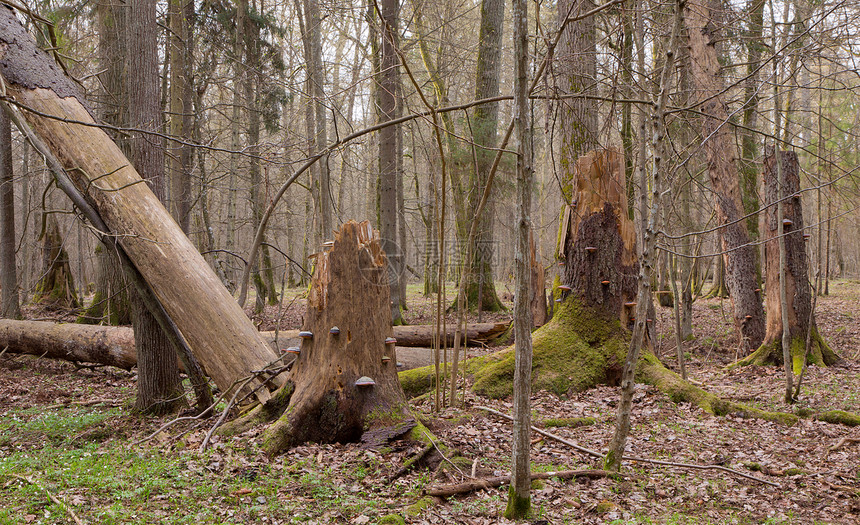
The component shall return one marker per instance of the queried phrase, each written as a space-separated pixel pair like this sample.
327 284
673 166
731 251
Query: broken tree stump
798 292
585 342
344 381
597 243
221 337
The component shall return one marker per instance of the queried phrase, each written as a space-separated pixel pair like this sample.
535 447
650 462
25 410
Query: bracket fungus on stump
329 395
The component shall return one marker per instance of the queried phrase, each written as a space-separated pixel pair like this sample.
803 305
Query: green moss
571 422
605 506
419 381
518 507
794 472
678 390
537 484
417 508
391 519
820 354
839 417
571 353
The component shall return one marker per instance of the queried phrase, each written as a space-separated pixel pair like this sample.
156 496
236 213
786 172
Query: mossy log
801 319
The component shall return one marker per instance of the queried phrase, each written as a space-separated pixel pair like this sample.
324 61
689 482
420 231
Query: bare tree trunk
648 255
181 12
519 499
485 127
722 166
159 388
56 286
312 41
10 306
387 94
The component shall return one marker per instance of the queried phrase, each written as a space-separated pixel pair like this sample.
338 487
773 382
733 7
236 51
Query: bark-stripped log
112 346
220 335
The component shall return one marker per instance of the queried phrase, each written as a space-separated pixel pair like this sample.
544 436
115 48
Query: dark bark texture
600 261
797 288
10 306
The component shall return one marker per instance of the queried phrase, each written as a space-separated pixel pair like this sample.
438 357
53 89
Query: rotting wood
114 345
72 342
454 489
217 330
340 385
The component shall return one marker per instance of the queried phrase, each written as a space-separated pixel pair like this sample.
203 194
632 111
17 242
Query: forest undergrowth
68 448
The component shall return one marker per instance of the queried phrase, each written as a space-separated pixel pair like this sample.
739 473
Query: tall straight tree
577 66
159 386
180 13
484 130
722 153
10 307
389 78
311 25
519 500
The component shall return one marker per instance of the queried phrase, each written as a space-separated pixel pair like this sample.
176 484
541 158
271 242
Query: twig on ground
53 498
429 437
224 413
842 442
447 490
633 458
411 463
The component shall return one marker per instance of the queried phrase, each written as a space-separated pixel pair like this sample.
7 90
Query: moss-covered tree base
770 353
518 507
576 350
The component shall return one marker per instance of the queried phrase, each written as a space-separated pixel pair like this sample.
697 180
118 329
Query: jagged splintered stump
798 292
586 340
341 386
598 240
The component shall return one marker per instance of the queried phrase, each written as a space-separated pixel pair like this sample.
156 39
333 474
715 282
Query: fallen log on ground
105 345
114 345
422 335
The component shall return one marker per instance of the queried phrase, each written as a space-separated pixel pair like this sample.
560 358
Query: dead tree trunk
111 346
216 329
798 293
344 381
723 170
56 286
599 239
585 342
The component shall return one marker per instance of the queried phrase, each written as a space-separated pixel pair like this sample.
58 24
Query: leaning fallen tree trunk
217 330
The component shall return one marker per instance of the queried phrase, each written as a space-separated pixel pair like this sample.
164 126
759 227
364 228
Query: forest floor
69 448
